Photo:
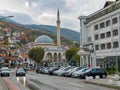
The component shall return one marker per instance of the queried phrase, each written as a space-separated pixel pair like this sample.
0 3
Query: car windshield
88 70
79 68
20 70
67 69
5 69
84 70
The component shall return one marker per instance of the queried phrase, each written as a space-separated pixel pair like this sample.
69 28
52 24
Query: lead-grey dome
44 39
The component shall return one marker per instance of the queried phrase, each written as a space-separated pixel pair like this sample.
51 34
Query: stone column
52 57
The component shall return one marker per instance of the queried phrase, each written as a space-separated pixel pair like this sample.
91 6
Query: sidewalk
104 82
7 83
3 86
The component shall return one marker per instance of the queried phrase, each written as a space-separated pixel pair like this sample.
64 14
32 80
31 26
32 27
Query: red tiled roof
3 55
24 55
3 45
11 58
11 50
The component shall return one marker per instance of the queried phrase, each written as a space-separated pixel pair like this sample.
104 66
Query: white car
58 72
76 73
5 71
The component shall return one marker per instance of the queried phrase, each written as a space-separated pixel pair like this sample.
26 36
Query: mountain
66 33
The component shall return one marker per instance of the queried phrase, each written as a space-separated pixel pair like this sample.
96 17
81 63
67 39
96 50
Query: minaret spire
58 29
58 16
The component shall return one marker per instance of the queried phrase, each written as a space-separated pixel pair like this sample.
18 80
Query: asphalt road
47 82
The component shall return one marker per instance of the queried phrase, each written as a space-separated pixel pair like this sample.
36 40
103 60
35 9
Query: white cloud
44 11
27 4
34 4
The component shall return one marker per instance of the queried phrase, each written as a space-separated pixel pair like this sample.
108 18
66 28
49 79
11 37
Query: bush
111 70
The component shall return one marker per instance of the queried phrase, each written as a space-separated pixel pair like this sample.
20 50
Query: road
47 82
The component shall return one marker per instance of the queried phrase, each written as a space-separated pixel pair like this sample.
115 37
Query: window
102 46
96 37
109 45
102 35
102 25
108 23
114 20
89 39
96 47
96 27
115 44
108 34
115 32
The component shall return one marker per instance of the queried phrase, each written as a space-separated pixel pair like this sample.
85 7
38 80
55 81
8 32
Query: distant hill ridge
66 33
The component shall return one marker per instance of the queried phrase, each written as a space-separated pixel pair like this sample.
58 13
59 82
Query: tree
77 58
36 54
70 53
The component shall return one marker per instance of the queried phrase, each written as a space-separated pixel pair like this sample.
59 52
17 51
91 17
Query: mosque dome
44 39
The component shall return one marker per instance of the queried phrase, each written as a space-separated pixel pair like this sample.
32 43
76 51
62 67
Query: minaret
58 30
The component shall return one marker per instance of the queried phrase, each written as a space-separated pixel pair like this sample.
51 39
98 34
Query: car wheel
103 76
85 76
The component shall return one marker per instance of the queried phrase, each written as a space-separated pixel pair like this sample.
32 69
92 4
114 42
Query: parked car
52 69
66 70
61 70
66 73
70 73
38 69
20 72
77 73
5 71
44 70
77 69
94 72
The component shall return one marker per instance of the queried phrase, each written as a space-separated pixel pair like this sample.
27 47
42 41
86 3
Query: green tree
36 54
23 41
6 42
31 38
77 58
71 52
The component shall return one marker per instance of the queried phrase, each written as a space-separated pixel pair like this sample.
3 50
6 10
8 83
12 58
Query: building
100 37
25 61
54 54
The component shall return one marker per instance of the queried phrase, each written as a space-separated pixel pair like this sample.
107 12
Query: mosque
54 54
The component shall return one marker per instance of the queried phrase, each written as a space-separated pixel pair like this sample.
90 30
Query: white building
100 37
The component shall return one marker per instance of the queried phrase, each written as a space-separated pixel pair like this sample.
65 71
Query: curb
104 85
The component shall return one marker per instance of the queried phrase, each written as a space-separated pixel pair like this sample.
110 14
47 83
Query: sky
45 11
